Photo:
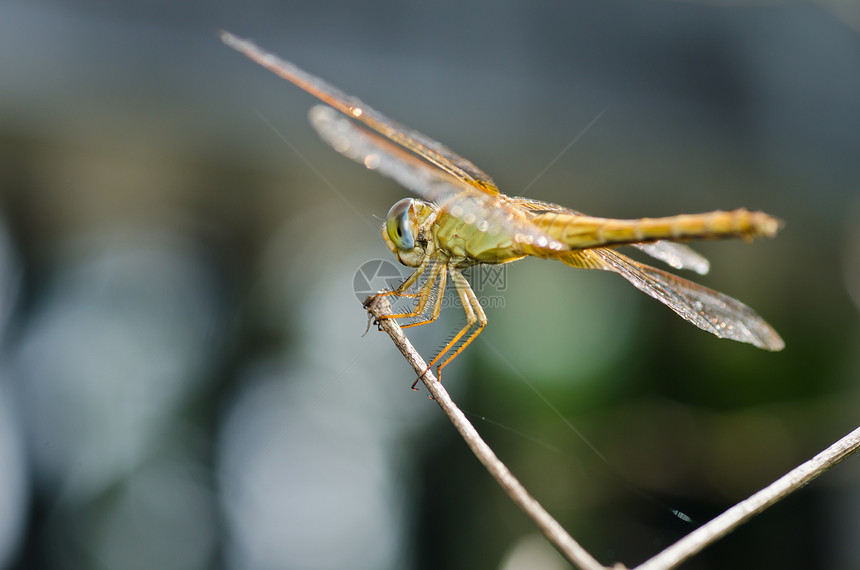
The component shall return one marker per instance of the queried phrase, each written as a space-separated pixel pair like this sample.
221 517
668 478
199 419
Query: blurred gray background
184 383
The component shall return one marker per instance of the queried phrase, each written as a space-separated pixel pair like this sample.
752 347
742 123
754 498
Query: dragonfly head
402 232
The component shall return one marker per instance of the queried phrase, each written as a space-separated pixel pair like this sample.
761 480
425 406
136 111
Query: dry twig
572 550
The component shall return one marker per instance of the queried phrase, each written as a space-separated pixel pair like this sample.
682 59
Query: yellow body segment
581 232
461 239
464 240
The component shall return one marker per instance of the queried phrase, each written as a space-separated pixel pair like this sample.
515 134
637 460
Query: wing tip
228 38
759 334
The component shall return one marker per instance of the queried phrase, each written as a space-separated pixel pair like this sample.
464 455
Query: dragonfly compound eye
397 225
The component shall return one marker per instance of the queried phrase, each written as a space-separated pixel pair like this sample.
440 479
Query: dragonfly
462 220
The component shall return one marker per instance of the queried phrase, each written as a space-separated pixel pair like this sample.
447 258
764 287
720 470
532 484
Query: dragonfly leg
475 315
423 296
434 314
437 304
437 275
401 289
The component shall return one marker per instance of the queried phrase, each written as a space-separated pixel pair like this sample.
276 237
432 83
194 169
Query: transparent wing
676 255
430 150
491 213
672 254
709 310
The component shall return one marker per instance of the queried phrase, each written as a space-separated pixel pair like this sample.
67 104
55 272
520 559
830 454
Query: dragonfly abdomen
580 232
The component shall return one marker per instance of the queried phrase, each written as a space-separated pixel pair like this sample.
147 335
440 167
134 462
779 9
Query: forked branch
672 556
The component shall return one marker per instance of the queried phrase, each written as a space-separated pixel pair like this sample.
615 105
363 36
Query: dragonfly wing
430 150
672 254
539 206
676 255
709 310
377 153
492 213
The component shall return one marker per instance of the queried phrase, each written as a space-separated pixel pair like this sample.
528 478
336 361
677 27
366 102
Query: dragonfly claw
369 300
426 370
